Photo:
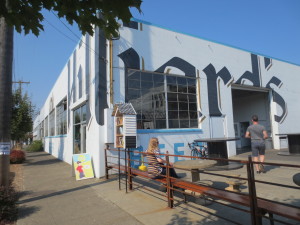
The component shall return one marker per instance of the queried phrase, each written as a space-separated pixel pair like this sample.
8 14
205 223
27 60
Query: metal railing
122 165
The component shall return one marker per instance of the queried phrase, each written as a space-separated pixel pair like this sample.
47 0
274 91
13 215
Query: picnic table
293 144
217 147
195 166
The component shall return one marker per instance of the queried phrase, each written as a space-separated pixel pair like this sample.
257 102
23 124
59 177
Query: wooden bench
264 206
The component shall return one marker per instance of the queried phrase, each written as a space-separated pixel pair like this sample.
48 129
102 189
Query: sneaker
262 168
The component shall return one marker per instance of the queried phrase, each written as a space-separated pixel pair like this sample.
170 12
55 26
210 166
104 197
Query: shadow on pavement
25 211
30 155
60 192
42 162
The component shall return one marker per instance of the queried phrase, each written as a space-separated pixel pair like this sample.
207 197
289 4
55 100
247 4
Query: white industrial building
182 88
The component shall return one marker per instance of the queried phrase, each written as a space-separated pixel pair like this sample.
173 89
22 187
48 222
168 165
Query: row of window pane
61 119
52 123
149 93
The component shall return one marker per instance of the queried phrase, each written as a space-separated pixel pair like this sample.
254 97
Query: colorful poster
83 166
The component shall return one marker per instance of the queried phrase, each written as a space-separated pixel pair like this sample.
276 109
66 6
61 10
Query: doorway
246 103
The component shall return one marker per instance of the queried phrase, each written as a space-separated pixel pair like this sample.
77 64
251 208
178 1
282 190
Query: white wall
155 47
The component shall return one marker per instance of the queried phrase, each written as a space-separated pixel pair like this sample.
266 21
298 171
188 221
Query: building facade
181 87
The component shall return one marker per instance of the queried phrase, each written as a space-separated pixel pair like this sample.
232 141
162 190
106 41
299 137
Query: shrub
35 146
17 156
8 206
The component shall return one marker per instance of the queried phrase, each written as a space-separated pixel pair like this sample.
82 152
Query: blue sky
268 27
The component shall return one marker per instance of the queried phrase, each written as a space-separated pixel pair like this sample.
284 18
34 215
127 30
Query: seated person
155 162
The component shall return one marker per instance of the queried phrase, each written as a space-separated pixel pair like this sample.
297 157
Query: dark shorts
258 148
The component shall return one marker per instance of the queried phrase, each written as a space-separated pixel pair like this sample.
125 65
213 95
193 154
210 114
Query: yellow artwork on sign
83 166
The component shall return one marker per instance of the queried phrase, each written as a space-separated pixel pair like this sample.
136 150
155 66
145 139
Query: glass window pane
173 123
193 124
157 78
146 85
172 105
146 77
147 115
191 82
182 97
182 89
171 80
172 88
160 114
181 81
184 124
134 94
139 124
173 114
159 87
77 116
183 114
192 98
192 90
134 84
77 141
134 75
193 115
172 97
193 106
183 106
83 113
160 124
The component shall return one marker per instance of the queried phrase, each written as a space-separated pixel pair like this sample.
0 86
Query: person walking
258 134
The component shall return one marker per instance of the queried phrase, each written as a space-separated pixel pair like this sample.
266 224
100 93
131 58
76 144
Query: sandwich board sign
83 166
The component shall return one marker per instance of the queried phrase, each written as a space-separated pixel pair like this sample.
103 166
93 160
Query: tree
22 112
25 15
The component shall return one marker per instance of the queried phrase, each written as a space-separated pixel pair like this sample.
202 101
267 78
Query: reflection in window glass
83 113
149 94
52 123
80 116
77 118
61 118
46 126
77 141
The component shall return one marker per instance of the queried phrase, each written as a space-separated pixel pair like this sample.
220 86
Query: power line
60 31
86 45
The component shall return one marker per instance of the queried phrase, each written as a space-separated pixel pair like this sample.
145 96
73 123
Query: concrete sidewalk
52 196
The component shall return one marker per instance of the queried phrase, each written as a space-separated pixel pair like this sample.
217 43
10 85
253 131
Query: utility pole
20 84
6 58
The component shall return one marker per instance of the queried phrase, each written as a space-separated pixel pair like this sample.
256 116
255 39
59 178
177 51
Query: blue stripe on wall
147 131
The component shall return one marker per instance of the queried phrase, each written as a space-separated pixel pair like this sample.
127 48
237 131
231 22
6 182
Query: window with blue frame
162 101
